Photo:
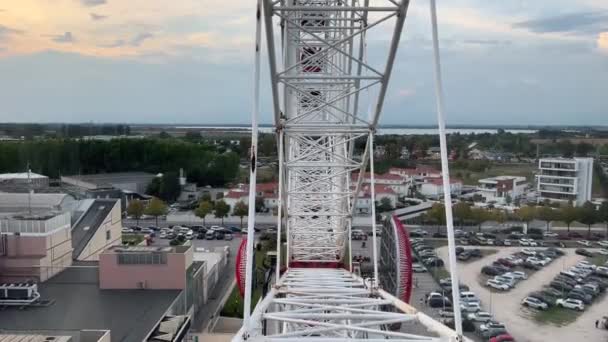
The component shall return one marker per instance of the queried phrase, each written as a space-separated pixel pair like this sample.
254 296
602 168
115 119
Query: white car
519 275
421 232
127 230
535 261
524 242
507 242
470 307
515 260
550 234
528 252
493 283
418 268
569 303
480 316
603 251
534 303
603 243
584 243
586 266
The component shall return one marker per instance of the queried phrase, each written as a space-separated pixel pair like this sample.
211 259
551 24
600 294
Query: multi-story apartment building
563 179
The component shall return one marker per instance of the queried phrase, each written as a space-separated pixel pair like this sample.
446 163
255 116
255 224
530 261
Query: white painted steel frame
321 78
333 305
316 92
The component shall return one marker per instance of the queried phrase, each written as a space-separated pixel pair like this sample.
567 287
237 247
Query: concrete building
22 202
563 180
399 184
155 268
33 180
34 247
498 188
432 187
126 181
363 205
56 336
99 228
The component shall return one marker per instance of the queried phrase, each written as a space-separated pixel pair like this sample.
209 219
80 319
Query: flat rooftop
149 249
20 175
79 304
115 177
500 178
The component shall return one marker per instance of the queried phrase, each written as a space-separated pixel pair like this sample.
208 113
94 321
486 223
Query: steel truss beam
333 305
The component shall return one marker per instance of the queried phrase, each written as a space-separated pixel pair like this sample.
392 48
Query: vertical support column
373 199
253 164
445 172
280 206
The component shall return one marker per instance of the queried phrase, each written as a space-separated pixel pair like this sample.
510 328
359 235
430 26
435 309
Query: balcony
556 189
558 166
556 181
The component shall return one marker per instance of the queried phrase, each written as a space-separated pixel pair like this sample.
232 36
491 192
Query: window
108 234
142 258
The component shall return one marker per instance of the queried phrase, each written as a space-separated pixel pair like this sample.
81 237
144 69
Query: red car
502 338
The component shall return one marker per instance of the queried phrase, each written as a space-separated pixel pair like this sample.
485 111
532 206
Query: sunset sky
187 61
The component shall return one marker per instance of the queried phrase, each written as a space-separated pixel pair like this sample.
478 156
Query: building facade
565 180
499 188
35 247
432 187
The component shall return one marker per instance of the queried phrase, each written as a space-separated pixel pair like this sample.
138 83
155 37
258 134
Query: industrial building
126 181
565 179
30 179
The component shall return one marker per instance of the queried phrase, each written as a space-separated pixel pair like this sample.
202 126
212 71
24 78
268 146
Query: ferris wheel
327 95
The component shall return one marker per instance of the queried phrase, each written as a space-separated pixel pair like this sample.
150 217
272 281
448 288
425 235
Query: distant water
381 131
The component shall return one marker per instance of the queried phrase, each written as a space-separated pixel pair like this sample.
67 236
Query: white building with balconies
565 179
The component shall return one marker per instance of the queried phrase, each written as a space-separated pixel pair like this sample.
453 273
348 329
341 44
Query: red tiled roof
236 194
380 189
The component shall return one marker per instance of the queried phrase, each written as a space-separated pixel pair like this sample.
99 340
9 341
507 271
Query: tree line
465 214
203 164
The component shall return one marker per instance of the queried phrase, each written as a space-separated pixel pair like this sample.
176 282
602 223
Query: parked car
432 262
560 286
418 268
446 313
210 235
580 295
491 271
584 243
480 316
228 236
127 231
492 328
569 303
520 275
470 307
534 303
502 338
493 283
528 252
583 252
531 266
550 234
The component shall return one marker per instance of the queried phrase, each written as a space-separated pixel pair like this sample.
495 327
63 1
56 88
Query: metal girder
317 82
333 305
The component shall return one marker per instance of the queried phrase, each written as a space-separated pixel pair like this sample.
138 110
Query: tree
588 215
259 204
437 215
241 210
221 210
169 186
545 214
568 214
526 214
136 209
156 208
479 216
462 212
603 215
508 199
204 208
385 205
206 197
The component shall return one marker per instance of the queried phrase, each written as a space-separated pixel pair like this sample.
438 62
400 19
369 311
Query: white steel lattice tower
318 80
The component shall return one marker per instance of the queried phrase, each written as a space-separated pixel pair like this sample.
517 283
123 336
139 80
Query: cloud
5 30
114 44
96 17
140 38
406 92
487 42
91 3
602 41
581 22
63 38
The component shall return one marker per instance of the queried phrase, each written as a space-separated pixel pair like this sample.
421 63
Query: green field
472 177
556 316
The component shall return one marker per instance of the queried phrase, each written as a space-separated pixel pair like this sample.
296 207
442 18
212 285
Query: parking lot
506 306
